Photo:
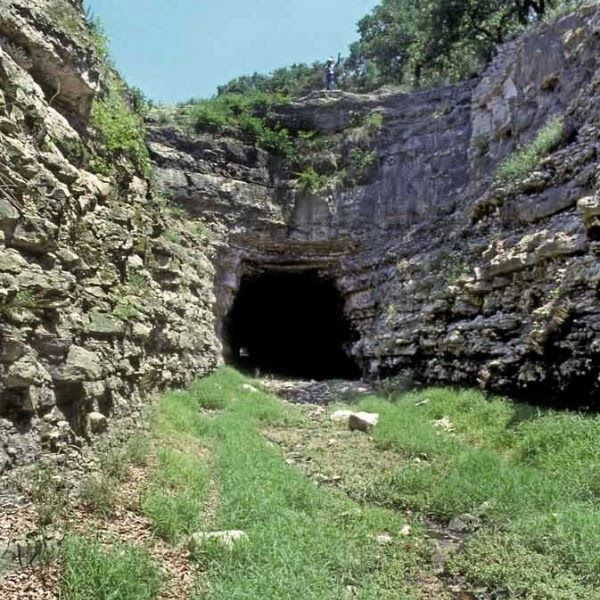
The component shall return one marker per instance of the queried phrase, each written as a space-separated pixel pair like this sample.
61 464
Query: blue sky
177 49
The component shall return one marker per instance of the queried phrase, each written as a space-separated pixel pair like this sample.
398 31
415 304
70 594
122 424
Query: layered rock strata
447 275
104 298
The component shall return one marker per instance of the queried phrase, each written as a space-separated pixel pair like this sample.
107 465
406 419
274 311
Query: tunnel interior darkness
290 324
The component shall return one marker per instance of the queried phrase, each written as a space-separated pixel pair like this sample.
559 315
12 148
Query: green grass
117 572
524 160
531 476
175 495
303 541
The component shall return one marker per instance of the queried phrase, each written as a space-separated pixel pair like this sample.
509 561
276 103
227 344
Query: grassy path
332 514
303 541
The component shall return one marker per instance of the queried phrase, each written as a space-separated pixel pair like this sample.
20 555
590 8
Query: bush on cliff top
246 112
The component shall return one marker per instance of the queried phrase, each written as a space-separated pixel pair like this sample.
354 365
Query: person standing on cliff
330 68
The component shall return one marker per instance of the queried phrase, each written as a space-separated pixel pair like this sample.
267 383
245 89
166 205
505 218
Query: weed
136 281
138 448
114 461
364 127
21 300
172 236
48 493
202 229
482 143
92 571
98 493
127 304
524 160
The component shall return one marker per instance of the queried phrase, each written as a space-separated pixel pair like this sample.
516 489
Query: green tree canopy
423 42
294 81
415 43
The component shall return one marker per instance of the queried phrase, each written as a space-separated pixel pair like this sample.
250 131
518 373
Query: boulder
340 415
97 423
227 539
465 523
362 421
357 421
81 365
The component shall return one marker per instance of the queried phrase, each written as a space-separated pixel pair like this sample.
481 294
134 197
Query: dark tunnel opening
290 324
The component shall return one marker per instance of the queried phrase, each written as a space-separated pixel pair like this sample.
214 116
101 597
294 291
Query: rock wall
447 275
107 294
104 297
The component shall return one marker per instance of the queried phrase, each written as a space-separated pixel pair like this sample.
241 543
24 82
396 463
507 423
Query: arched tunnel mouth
290 324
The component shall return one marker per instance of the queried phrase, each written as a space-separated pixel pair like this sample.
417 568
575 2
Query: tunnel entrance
290 324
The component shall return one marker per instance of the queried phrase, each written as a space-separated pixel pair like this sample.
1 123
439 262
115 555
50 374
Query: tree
430 41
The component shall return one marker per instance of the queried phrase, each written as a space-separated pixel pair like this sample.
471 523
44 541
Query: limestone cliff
104 297
447 275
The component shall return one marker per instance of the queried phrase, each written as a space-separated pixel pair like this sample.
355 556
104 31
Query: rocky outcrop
104 297
447 275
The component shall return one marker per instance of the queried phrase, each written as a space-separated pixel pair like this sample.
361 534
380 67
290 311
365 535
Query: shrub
361 160
522 162
277 141
121 131
310 181
172 236
234 110
49 494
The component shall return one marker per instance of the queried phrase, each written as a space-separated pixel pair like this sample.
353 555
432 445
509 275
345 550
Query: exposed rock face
103 299
447 276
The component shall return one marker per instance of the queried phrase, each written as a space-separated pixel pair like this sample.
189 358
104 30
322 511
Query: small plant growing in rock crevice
172 236
21 300
364 127
361 160
309 181
522 162
360 164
